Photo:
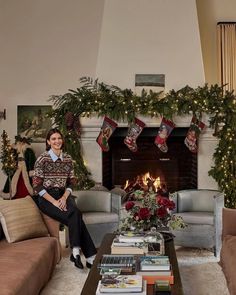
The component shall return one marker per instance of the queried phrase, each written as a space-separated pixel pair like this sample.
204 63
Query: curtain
226 52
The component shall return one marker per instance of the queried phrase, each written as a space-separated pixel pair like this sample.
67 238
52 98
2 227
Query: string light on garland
125 105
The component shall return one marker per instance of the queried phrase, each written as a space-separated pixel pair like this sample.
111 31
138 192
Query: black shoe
77 261
89 265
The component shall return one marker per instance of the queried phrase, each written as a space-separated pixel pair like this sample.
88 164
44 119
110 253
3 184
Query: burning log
145 183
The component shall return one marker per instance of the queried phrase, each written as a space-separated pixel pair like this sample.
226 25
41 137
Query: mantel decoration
98 98
149 209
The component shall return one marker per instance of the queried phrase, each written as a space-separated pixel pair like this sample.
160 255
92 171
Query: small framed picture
33 121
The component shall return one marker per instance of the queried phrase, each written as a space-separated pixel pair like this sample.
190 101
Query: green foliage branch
94 97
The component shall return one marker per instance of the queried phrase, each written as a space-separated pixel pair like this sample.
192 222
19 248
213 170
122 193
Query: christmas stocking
108 127
77 125
165 129
194 131
134 130
69 120
72 123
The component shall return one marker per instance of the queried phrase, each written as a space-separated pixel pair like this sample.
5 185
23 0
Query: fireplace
177 168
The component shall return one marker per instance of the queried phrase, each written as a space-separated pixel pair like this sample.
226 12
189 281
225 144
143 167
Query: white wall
153 37
46 46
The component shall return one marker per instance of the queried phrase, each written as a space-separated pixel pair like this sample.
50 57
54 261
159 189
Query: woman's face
55 141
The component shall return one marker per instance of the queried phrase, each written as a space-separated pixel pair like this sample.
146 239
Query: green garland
123 105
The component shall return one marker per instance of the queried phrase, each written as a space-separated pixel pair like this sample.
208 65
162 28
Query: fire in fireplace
144 182
176 169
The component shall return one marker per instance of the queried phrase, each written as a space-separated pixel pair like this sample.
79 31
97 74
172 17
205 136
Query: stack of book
128 245
125 263
137 244
122 284
153 268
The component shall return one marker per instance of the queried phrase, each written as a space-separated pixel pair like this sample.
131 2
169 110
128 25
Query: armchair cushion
99 217
197 217
95 201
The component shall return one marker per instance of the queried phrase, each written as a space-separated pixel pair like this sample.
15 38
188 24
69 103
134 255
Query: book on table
128 248
151 279
154 272
128 238
121 283
116 242
137 238
154 263
143 292
152 275
162 287
110 260
126 263
137 244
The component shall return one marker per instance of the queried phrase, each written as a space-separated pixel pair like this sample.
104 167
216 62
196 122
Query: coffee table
91 283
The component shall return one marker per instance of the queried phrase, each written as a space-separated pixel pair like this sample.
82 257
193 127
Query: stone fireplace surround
92 153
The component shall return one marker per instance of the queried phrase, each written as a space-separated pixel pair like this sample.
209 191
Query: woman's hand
61 203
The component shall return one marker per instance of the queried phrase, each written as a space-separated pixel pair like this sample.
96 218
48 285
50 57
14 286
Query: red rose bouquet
149 209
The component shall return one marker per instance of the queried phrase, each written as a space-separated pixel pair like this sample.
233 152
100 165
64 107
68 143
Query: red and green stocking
194 131
164 131
133 132
108 127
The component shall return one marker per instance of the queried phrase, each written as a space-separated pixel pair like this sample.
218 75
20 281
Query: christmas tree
8 157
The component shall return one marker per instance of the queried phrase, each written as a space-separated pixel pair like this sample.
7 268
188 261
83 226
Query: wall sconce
3 114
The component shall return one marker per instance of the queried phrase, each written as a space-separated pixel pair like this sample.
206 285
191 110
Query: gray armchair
101 212
201 209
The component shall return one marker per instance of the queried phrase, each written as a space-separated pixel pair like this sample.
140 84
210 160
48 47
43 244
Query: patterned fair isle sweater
49 174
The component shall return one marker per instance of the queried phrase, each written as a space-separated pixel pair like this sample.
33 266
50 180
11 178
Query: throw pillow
21 220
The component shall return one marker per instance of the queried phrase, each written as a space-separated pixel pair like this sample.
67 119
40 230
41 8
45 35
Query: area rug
199 270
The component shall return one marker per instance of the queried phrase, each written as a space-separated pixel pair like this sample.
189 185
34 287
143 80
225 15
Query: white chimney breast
150 37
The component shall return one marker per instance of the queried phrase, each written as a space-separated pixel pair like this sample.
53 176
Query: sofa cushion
99 217
197 217
21 220
26 266
228 261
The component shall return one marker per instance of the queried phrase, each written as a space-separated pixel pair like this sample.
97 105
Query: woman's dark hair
49 134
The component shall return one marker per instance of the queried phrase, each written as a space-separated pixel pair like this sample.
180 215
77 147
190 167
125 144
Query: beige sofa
27 265
228 250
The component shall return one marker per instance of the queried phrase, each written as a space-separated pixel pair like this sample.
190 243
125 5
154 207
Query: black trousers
78 233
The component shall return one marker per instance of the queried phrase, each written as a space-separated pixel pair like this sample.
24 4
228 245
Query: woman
53 181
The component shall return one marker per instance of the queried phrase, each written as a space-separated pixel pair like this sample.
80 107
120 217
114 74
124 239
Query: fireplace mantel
92 153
